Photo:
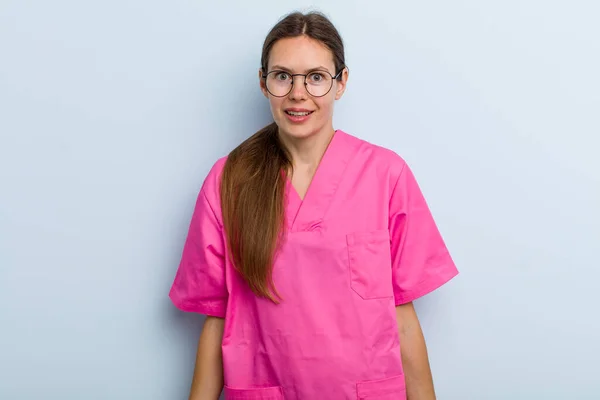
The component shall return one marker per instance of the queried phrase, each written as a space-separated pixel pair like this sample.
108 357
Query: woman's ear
263 88
341 84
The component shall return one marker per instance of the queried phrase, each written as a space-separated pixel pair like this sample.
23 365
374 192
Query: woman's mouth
298 116
298 113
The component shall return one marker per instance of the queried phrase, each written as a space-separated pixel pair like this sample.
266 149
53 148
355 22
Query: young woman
307 247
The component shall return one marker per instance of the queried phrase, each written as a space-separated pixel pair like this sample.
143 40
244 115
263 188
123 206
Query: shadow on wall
250 102
183 331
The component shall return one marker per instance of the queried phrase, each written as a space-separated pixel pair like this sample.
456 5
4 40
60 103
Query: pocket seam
357 238
255 393
399 387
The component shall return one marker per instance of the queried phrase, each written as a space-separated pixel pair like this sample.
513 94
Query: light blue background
112 112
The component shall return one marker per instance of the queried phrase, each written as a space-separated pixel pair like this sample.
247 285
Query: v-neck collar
307 214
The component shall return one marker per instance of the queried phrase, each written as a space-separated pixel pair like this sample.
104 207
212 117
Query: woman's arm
207 382
417 373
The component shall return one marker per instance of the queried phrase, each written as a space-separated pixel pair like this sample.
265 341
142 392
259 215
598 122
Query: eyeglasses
318 83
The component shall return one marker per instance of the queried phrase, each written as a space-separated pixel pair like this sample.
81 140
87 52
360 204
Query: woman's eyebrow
281 67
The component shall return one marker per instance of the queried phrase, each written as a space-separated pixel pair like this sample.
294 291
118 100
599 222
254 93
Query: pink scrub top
361 242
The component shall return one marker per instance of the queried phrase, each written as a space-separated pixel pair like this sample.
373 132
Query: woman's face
299 114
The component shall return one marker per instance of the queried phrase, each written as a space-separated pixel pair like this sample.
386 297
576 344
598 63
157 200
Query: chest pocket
370 264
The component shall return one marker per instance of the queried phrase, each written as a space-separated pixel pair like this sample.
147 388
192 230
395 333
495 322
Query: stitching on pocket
265 393
363 280
382 388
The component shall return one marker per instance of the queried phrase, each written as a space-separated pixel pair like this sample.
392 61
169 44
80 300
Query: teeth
298 114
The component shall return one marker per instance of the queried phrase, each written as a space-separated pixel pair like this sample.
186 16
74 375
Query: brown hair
254 177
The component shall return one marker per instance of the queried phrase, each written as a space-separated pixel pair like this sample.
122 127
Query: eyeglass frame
333 78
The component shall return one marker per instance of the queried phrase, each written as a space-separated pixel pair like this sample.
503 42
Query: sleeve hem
425 287
213 309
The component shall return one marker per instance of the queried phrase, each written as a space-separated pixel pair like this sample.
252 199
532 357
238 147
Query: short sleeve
421 262
199 284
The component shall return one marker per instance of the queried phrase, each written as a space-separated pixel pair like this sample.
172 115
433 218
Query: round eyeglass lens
317 83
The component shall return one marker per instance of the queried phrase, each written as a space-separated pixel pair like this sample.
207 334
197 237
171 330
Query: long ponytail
252 202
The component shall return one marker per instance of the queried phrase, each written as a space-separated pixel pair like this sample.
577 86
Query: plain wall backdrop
112 112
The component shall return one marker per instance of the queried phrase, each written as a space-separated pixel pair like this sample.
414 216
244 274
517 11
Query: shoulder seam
211 208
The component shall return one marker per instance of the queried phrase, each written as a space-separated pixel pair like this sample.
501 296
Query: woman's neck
307 152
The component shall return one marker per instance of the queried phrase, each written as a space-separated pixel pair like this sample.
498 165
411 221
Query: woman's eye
316 77
283 76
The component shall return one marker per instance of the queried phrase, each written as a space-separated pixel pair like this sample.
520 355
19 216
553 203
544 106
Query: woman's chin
294 131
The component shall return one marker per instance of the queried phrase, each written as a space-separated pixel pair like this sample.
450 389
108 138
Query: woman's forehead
300 54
